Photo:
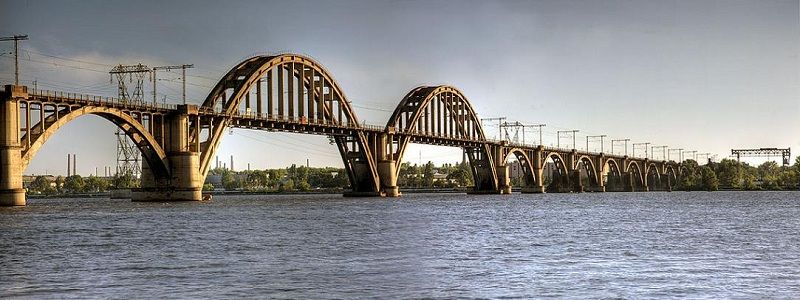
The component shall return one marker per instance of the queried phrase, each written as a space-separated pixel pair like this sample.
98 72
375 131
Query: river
590 245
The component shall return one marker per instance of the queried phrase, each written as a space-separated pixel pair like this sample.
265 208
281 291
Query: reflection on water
640 245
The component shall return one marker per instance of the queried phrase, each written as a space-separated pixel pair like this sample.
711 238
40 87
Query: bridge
293 93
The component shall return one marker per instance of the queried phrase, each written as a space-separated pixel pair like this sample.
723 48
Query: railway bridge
293 93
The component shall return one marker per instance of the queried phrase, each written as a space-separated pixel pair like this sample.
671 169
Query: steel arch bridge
294 93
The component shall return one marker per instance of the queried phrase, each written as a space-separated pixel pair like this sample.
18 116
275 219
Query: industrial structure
293 93
786 153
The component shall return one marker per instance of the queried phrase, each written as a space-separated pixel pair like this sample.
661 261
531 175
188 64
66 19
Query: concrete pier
11 191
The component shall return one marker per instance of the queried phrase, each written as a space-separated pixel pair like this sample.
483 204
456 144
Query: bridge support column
503 179
11 191
628 182
388 174
184 181
669 183
577 182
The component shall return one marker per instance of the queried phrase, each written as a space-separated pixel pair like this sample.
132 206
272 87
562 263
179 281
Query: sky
699 75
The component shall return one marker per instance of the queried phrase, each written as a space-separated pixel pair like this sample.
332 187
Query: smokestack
69 164
308 163
248 166
231 162
74 160
217 161
95 171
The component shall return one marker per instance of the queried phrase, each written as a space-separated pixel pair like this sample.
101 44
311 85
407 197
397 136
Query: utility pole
663 151
16 39
558 133
692 152
170 68
500 121
707 155
595 136
540 131
640 144
626 145
670 151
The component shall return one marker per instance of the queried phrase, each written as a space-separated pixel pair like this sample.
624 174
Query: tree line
726 174
48 185
731 174
293 178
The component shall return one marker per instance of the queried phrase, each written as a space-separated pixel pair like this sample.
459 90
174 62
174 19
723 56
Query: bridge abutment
11 191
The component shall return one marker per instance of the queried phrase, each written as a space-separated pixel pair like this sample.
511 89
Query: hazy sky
698 75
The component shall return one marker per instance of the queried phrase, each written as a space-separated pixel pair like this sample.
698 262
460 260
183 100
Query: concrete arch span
530 180
153 154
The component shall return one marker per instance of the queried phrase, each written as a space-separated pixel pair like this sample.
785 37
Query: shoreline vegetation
728 174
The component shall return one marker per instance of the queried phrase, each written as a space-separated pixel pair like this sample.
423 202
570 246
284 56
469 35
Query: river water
604 245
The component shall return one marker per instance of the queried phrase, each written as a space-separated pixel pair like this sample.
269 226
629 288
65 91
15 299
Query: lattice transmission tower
128 156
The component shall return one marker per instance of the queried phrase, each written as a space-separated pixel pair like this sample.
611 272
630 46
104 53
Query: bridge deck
250 120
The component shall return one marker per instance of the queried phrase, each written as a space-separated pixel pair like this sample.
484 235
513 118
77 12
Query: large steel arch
152 152
283 74
433 112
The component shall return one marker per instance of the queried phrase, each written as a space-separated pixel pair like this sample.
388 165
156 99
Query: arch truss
43 115
441 115
289 93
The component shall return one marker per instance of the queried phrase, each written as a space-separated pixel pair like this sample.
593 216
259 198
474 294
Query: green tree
768 172
60 184
74 184
96 184
709 179
41 185
286 186
797 164
427 175
229 181
690 177
302 186
125 181
730 173
787 178
460 176
749 181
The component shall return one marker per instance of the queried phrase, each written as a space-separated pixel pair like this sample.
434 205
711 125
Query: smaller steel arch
558 160
531 179
151 151
633 165
670 172
652 169
613 166
591 169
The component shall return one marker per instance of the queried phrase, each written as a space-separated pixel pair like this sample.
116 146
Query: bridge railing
291 119
98 100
